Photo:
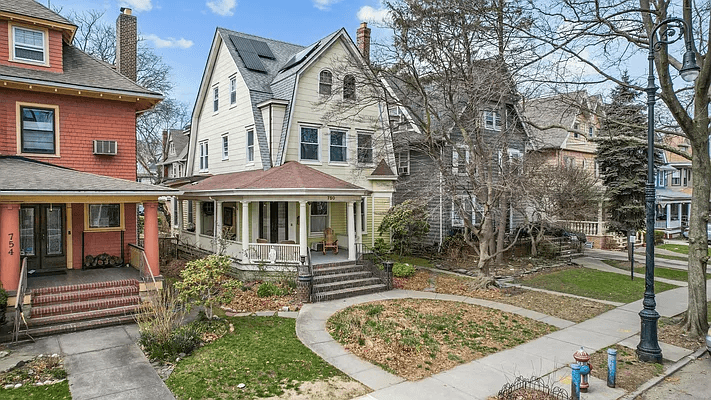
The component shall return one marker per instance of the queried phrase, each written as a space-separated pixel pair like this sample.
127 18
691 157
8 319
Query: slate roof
31 8
80 70
290 175
35 176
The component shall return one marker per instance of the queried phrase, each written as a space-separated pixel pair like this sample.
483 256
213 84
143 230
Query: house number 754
11 244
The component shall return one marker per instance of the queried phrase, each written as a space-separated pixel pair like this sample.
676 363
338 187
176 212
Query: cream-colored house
274 163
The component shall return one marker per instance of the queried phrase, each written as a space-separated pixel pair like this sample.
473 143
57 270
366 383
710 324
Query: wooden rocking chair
329 241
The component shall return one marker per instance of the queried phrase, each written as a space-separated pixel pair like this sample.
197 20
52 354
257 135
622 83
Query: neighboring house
277 169
422 179
175 145
68 147
673 189
561 127
147 176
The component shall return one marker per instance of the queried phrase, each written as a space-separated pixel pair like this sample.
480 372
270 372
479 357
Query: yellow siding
339 223
381 205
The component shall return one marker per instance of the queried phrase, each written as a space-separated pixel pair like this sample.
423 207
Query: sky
182 31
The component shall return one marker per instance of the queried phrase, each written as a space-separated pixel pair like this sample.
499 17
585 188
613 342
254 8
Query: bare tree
600 37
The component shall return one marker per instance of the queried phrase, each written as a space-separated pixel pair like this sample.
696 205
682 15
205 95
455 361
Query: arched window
325 79
349 87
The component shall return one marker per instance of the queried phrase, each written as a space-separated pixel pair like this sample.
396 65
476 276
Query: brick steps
343 280
82 306
84 286
80 325
85 295
84 315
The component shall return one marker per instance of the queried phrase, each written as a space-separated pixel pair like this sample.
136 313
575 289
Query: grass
668 257
661 272
263 353
412 260
594 284
58 391
677 248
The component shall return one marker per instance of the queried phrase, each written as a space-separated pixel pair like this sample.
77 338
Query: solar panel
300 56
248 54
262 49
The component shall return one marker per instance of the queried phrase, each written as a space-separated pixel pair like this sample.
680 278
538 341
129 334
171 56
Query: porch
672 217
77 277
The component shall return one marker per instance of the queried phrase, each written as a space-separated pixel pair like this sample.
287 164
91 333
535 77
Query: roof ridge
259 37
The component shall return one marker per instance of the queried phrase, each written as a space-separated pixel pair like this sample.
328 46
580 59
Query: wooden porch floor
75 276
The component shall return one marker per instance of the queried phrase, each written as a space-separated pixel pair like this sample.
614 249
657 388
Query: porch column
351 231
359 222
668 215
10 246
245 228
303 240
180 214
218 219
198 222
150 236
679 212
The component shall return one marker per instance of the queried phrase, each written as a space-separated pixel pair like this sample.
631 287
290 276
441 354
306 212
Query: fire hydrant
583 360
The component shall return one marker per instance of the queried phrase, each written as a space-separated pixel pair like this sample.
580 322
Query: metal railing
370 259
19 300
273 253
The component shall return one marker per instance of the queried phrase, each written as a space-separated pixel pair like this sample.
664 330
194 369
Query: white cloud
225 8
137 5
168 42
325 4
373 15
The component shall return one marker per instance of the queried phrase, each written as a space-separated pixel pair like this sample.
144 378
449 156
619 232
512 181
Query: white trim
494 126
330 89
45 46
225 146
249 160
233 89
318 144
215 98
345 146
204 168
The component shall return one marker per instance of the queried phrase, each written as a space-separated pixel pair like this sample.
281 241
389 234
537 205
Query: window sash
203 156
225 147
403 162
349 87
325 81
37 130
191 214
233 90
104 215
309 149
365 148
215 98
339 147
250 146
28 44
318 217
492 120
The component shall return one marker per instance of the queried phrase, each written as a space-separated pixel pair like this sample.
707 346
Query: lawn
677 248
661 272
415 338
668 257
58 391
263 353
593 284
412 260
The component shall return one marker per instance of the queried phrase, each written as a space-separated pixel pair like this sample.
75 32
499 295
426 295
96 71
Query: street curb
671 370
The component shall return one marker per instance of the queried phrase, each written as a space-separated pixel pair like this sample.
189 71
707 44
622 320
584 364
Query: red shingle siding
55 50
81 121
102 242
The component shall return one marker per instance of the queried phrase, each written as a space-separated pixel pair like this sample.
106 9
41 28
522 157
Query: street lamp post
648 348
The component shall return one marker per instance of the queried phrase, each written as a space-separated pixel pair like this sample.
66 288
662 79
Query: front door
274 217
42 237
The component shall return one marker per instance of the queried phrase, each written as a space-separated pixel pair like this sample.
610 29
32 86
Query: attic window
28 45
349 87
325 81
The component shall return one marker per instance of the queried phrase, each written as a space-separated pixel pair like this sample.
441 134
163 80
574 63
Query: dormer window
28 45
349 87
325 81
171 148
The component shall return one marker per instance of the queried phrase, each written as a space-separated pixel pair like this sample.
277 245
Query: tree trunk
501 237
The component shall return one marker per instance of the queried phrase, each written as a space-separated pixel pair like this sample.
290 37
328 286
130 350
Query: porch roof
291 177
669 196
27 177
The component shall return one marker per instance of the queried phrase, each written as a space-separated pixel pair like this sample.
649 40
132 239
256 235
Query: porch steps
61 309
343 280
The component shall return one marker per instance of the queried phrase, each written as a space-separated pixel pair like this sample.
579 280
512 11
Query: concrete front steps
343 280
61 309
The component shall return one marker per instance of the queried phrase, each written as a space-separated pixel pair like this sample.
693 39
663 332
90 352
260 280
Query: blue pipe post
575 382
611 367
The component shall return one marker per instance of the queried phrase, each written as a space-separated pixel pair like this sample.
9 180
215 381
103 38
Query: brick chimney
363 41
126 38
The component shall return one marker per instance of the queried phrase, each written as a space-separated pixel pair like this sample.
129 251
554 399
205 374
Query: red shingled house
68 185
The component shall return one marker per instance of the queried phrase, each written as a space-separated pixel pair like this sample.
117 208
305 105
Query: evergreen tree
622 160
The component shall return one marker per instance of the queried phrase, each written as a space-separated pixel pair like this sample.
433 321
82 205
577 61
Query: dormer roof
34 12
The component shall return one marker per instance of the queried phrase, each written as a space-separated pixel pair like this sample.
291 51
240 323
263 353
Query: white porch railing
663 224
594 228
273 253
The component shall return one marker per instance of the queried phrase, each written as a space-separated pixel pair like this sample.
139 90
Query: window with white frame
460 157
325 82
233 90
203 156
309 144
492 120
349 87
28 45
515 158
661 179
569 162
250 145
365 148
591 131
225 147
362 214
676 178
462 203
318 217
191 214
338 146
403 162
175 212
171 148
215 99
37 130
174 170
576 126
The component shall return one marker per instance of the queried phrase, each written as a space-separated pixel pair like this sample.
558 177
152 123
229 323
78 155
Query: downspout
271 137
441 239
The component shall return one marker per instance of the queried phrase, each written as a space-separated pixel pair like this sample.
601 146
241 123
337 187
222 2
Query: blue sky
182 31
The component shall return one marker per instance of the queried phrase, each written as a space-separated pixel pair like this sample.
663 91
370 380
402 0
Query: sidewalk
549 355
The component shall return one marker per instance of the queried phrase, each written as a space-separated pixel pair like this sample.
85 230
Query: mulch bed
631 373
42 370
670 332
415 338
565 307
248 301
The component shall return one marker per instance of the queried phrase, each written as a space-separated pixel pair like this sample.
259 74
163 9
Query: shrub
381 248
658 237
268 289
206 283
403 270
161 315
185 339
407 223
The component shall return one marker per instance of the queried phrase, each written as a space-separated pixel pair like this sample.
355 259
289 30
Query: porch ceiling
30 178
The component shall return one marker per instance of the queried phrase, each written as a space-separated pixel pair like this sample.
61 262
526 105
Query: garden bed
416 338
631 373
670 332
43 377
280 295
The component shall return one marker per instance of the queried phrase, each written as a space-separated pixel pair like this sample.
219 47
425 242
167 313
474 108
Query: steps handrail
19 300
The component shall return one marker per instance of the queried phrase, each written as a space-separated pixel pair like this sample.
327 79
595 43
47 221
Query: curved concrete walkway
484 377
